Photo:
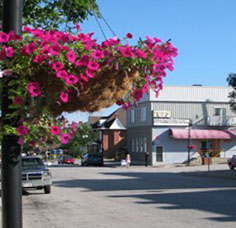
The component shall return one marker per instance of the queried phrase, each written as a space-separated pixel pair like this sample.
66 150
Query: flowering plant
59 72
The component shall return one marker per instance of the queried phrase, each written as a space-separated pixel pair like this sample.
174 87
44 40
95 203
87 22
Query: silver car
35 174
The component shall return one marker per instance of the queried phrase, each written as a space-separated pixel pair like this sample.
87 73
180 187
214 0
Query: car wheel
47 189
231 167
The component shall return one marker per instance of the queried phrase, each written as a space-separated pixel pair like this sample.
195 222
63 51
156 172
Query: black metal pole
189 140
11 153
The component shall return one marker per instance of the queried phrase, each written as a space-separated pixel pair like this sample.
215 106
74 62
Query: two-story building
182 124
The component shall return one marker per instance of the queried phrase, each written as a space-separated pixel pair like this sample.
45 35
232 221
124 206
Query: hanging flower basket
59 72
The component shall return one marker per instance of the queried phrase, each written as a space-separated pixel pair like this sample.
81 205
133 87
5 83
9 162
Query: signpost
11 153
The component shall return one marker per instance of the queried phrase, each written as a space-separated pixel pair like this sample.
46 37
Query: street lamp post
189 139
11 151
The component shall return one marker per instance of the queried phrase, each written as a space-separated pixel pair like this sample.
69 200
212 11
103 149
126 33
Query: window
137 145
141 144
143 114
145 145
132 116
133 144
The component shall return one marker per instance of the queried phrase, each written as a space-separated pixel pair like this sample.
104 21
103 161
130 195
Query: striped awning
202 134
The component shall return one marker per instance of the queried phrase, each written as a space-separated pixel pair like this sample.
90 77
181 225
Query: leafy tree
54 14
232 95
84 137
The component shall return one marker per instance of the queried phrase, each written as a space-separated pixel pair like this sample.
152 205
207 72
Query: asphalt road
137 197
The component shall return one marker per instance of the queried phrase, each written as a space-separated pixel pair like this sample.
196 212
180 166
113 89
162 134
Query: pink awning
202 134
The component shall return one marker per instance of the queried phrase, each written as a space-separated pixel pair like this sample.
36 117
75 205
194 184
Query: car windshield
32 162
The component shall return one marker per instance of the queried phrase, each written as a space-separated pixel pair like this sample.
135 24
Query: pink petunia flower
141 54
34 89
84 60
71 56
57 66
77 26
55 130
55 49
30 48
9 51
3 37
32 143
39 59
129 35
71 79
61 74
21 140
93 66
97 54
89 73
65 138
83 78
17 101
64 97
22 130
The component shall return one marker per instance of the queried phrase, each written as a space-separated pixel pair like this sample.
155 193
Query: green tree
84 137
232 95
55 14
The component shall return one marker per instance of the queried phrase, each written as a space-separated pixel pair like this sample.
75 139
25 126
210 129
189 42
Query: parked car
232 162
66 160
35 174
92 159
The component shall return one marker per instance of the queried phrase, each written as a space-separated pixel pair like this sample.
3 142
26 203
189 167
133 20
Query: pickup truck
232 162
35 174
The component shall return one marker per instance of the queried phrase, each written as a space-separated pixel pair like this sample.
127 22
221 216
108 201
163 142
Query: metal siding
192 93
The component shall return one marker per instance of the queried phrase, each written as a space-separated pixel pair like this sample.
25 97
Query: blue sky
202 30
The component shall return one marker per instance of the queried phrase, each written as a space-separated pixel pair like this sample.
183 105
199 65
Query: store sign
162 114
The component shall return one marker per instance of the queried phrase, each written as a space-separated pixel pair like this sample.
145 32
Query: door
159 153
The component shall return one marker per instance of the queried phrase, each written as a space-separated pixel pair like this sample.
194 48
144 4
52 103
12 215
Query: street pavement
137 197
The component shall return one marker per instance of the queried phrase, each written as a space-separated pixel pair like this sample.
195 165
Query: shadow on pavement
178 190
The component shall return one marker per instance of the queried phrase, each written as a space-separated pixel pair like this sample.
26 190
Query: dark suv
92 159
232 162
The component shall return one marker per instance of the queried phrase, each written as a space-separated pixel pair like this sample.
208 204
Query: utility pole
11 151
189 139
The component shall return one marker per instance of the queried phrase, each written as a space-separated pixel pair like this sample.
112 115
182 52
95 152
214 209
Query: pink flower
141 54
22 130
34 89
129 35
77 26
65 138
21 140
83 78
17 101
57 66
83 61
61 74
97 54
71 56
71 79
74 126
93 66
32 143
3 37
27 29
55 49
38 59
126 51
64 97
9 51
89 73
30 48
55 130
